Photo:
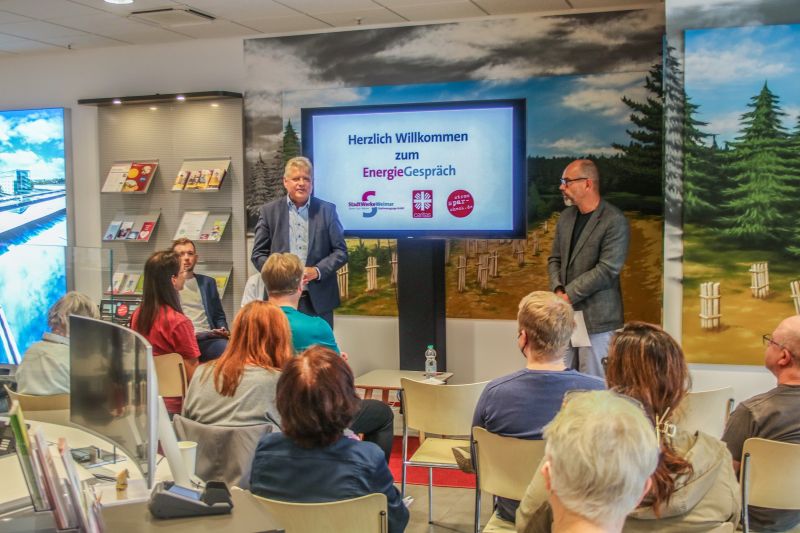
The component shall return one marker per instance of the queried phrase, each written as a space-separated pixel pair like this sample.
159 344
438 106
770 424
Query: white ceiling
37 26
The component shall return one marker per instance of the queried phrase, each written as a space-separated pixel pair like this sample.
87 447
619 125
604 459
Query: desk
387 380
248 516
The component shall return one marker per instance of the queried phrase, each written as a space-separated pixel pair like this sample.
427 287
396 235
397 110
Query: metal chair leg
430 495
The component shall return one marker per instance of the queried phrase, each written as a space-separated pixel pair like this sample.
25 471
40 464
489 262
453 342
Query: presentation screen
454 169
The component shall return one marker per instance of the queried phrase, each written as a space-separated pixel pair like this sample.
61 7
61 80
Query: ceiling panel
125 9
505 7
438 10
326 6
218 28
7 17
366 17
39 30
84 41
238 9
104 24
287 24
17 45
45 9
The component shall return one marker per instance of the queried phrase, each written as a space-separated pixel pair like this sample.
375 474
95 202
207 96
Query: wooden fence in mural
710 310
795 287
343 277
759 280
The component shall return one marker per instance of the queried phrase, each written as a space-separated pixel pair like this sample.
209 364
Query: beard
567 201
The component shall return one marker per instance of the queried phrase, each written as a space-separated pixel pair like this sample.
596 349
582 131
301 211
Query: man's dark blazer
326 247
211 302
590 273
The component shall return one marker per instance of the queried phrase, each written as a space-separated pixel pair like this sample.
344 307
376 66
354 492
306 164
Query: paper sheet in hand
580 337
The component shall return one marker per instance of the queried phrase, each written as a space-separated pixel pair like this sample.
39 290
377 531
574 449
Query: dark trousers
305 306
211 348
376 421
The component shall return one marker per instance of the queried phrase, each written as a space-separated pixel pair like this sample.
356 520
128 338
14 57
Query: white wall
477 349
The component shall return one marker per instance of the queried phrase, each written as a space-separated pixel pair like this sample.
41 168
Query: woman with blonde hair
694 489
238 389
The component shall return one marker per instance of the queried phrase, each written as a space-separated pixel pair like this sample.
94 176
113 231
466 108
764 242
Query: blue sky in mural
567 115
725 67
33 233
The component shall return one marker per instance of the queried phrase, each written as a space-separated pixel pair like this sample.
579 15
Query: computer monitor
113 389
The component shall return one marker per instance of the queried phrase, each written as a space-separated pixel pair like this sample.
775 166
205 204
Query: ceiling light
116 101
153 108
215 104
119 1
180 98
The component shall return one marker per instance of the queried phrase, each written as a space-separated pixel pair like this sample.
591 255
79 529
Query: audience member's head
260 337
72 303
316 397
601 451
782 350
282 274
162 281
545 324
187 254
645 362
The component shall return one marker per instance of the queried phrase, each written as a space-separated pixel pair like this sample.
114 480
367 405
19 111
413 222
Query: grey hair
72 303
298 162
602 449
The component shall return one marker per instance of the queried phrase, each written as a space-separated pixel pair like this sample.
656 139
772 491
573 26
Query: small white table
388 380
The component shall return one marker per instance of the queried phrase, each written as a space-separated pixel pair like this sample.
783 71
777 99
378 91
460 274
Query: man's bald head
586 169
788 335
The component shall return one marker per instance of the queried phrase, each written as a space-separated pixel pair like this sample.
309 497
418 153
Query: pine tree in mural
291 143
640 166
259 186
701 177
760 200
794 239
674 97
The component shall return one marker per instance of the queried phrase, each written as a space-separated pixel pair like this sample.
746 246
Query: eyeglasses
767 340
566 182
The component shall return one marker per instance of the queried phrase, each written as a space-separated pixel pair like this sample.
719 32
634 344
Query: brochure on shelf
214 227
113 229
221 272
124 229
130 176
131 282
191 225
117 281
201 174
132 227
27 460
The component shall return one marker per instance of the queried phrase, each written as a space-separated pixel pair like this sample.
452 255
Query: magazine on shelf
131 281
191 225
139 177
27 461
113 229
116 177
63 512
194 177
77 495
217 176
202 181
221 272
117 282
124 229
139 285
218 227
180 180
147 230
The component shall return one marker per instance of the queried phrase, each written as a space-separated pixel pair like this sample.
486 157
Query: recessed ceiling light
180 98
119 1
153 108
215 104
116 101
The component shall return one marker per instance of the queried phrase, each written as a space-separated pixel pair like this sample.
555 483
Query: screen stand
421 302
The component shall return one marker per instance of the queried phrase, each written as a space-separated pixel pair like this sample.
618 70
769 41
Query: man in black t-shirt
589 248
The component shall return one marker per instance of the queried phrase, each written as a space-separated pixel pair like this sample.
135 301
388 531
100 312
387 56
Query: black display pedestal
421 302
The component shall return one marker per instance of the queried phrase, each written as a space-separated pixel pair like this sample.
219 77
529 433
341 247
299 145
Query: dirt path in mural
641 278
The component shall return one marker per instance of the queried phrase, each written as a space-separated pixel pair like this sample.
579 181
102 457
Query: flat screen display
454 169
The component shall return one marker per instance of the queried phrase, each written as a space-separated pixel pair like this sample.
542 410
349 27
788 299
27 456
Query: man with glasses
589 248
771 415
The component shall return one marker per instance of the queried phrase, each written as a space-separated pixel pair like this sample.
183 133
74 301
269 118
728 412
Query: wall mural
741 173
593 87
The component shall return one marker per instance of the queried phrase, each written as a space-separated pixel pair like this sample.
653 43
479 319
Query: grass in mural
744 318
641 278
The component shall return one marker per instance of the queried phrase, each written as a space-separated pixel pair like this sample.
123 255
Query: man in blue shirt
521 404
308 228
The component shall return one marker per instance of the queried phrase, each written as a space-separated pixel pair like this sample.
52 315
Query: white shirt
44 369
253 290
192 304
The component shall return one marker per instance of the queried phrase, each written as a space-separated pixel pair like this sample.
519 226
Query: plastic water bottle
430 361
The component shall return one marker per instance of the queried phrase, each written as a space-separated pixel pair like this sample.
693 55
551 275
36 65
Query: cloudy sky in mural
725 67
555 105
495 49
33 140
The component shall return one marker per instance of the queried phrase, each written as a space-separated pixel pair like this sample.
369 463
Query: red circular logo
460 203
122 310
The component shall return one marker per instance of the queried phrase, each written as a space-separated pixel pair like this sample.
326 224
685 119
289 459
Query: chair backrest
171 373
706 411
506 465
770 474
224 453
53 409
440 409
366 514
